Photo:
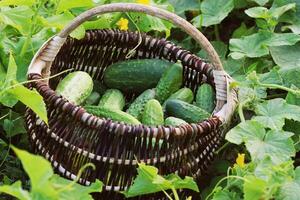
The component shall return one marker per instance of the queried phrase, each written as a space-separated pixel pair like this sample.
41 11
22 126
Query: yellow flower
123 24
145 2
240 160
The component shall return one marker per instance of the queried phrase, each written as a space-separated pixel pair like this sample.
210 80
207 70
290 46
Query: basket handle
151 10
41 63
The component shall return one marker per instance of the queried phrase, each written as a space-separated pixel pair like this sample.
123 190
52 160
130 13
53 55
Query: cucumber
184 94
185 111
205 97
153 114
173 121
169 83
136 108
75 87
115 115
135 75
93 99
112 99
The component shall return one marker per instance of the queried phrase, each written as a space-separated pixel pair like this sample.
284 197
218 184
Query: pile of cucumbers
162 100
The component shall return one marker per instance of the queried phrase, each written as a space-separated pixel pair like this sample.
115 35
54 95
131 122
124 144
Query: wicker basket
73 137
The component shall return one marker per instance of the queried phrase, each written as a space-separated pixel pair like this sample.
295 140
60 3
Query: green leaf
38 169
249 46
148 181
286 56
280 39
261 143
15 190
225 194
35 102
74 191
181 6
290 190
276 12
148 23
65 5
258 12
13 124
256 45
272 113
60 21
17 2
219 46
214 11
295 27
17 17
290 76
254 188
261 2
243 31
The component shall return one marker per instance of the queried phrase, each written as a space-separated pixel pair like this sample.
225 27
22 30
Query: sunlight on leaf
32 99
15 190
261 143
64 5
17 2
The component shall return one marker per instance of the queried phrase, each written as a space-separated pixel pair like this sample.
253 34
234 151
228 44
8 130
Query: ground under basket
73 137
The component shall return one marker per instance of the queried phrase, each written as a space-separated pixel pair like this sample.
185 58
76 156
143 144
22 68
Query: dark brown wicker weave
73 137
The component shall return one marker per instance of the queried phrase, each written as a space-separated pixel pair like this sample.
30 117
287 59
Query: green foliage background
258 43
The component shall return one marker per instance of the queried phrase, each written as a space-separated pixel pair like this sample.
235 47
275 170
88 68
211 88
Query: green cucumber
185 111
169 83
92 99
136 108
205 97
184 94
75 87
173 121
135 75
153 114
112 99
115 115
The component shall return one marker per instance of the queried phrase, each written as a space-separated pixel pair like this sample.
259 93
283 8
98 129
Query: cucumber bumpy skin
170 82
153 114
173 121
112 99
186 111
136 108
113 114
205 97
75 87
135 76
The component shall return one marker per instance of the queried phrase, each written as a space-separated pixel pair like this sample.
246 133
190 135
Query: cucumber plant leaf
17 2
65 5
254 188
260 2
261 143
256 45
181 6
286 56
149 181
213 12
15 190
17 17
290 190
46 185
272 113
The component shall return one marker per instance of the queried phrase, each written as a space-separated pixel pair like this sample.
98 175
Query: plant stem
222 147
175 194
241 113
217 34
275 86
